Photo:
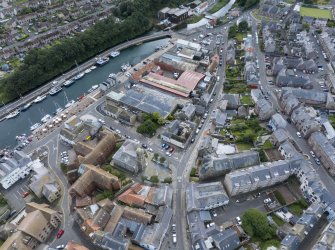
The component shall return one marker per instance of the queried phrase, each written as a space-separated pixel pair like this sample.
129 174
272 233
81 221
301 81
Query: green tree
255 224
243 26
162 159
193 172
167 180
154 179
147 127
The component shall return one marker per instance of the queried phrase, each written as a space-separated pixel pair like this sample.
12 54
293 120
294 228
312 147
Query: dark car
144 146
192 140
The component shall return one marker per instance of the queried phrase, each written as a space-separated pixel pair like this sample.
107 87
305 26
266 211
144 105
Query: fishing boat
87 71
93 67
68 83
26 106
94 87
46 118
13 114
69 104
35 126
115 53
79 76
102 61
55 90
40 98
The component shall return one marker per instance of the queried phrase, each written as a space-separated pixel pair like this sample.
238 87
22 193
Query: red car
60 233
25 194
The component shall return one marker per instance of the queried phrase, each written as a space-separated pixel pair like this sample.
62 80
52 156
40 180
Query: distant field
314 12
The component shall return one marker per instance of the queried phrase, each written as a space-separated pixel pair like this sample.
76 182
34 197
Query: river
9 129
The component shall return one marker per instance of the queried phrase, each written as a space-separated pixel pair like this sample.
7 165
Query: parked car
317 161
144 146
173 228
267 200
192 140
25 194
312 154
150 150
118 131
238 220
214 213
60 233
60 246
171 149
174 239
298 134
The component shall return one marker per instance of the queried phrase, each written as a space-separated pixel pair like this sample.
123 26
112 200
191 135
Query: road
46 87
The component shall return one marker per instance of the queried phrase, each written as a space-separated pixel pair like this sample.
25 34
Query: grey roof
277 121
293 81
280 135
112 242
205 215
307 96
202 196
290 150
219 117
214 167
226 240
163 196
291 241
126 156
233 100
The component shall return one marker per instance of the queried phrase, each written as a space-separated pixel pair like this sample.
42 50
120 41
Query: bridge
71 73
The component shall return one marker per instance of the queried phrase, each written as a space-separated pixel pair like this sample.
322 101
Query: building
92 177
130 157
327 238
186 113
78 129
205 196
324 150
136 101
95 151
249 179
304 120
289 103
214 167
42 183
290 242
288 150
35 228
264 109
279 136
183 86
179 133
14 168
277 121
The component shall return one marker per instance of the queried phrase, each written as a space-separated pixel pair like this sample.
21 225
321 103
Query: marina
10 129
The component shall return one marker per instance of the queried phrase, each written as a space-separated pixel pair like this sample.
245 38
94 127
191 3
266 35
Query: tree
162 159
255 224
167 180
147 127
154 179
243 26
193 172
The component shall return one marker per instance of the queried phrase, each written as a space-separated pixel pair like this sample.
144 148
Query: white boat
87 71
35 126
59 110
93 67
40 98
68 83
125 67
79 76
115 53
55 90
46 118
70 103
102 61
13 114
26 106
94 87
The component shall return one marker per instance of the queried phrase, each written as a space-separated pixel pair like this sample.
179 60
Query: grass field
314 12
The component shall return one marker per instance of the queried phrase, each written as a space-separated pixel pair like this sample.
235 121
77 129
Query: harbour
21 123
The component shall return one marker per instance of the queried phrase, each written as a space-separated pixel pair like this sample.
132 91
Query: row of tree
42 65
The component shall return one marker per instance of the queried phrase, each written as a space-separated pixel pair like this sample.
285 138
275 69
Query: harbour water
21 124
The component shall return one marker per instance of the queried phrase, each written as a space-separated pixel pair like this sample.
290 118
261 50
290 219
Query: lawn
218 6
243 146
267 145
316 13
239 36
247 100
277 220
331 118
298 207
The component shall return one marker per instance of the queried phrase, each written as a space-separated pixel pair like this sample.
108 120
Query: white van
174 239
218 78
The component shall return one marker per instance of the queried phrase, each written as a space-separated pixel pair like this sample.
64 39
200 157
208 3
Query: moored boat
79 76
13 114
35 126
102 61
55 90
46 118
26 106
115 53
69 104
40 98
68 83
